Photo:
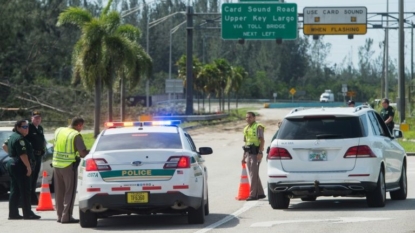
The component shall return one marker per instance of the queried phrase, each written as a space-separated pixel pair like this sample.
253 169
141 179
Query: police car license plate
137 197
317 156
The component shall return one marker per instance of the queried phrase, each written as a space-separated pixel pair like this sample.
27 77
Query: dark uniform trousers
34 178
19 189
66 180
253 168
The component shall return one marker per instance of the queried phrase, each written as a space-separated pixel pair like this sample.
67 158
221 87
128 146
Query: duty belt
38 152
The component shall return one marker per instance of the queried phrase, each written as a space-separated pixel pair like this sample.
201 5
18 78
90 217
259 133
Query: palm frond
129 31
107 8
74 15
111 22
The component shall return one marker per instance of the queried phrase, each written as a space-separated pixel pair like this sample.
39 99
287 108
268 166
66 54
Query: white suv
335 152
147 167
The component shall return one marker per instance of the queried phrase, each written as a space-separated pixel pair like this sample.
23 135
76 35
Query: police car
336 152
143 168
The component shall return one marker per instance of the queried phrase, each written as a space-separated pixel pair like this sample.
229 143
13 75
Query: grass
409 146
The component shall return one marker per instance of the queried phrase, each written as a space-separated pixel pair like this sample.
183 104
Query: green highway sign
259 21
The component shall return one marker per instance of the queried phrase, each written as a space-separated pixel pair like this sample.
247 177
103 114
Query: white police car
143 168
336 152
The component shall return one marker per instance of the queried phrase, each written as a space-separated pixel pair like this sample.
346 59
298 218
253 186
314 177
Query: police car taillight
177 162
97 165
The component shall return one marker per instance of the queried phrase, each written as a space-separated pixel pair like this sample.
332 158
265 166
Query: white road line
228 218
334 220
235 214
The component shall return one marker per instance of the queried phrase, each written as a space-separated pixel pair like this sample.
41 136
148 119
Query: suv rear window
320 128
133 141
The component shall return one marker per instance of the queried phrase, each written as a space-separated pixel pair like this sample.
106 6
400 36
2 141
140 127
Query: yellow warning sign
293 91
335 29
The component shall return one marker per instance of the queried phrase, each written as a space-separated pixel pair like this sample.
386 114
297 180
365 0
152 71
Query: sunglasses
24 126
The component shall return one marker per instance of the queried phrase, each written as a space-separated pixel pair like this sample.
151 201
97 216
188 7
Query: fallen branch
44 105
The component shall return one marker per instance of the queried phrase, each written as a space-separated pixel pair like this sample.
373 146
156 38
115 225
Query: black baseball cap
36 113
350 102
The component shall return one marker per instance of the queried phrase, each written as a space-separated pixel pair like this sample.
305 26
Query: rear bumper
325 189
157 201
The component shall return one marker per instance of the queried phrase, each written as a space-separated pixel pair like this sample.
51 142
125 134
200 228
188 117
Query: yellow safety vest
250 133
64 152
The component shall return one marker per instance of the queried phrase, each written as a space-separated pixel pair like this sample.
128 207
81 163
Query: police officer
351 103
253 150
38 141
20 169
387 113
69 146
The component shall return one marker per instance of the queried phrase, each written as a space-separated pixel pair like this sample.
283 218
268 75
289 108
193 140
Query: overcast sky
341 46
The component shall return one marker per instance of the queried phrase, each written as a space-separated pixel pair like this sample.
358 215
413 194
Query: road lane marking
235 214
333 220
228 218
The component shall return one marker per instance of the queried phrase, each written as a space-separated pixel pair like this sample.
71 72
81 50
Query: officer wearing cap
38 141
387 113
351 103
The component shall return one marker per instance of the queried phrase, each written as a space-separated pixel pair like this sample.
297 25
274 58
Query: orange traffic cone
244 187
45 200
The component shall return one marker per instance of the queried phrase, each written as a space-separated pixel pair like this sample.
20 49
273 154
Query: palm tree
234 84
225 72
210 74
104 48
182 73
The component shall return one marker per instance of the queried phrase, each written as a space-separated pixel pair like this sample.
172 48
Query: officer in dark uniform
20 168
38 141
387 113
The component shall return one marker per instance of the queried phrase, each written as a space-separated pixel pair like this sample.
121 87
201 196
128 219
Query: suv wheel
196 216
401 193
309 198
207 206
87 219
278 200
377 197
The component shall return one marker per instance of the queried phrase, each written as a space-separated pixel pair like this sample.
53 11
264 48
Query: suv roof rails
296 110
360 107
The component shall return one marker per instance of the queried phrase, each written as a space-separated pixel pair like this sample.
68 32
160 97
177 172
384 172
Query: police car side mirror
397 133
205 151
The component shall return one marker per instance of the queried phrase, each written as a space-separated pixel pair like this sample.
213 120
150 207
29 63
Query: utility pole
382 80
189 62
147 51
412 70
387 51
401 79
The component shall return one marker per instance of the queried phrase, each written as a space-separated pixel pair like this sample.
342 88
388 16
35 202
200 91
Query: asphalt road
326 215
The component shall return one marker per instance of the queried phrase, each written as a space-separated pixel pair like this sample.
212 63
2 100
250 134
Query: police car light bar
142 123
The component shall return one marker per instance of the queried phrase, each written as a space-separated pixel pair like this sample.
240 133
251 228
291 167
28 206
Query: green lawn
408 145
88 139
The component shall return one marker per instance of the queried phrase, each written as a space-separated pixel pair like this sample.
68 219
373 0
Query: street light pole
147 50
401 79
387 51
189 62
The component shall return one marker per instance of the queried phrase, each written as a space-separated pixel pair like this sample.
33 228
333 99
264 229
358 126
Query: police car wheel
87 219
196 216
207 206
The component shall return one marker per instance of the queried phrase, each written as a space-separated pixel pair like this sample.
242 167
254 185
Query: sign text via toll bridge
259 21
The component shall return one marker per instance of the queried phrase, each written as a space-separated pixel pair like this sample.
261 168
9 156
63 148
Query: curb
201 126
410 153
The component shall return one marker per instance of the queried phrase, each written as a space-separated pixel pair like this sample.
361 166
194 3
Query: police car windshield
133 141
320 128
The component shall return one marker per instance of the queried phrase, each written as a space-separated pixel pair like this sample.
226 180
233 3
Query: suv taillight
178 162
96 165
279 153
359 152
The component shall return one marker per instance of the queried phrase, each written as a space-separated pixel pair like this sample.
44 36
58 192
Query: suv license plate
137 197
317 156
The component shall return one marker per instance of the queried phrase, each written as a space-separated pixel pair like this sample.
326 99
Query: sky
342 46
